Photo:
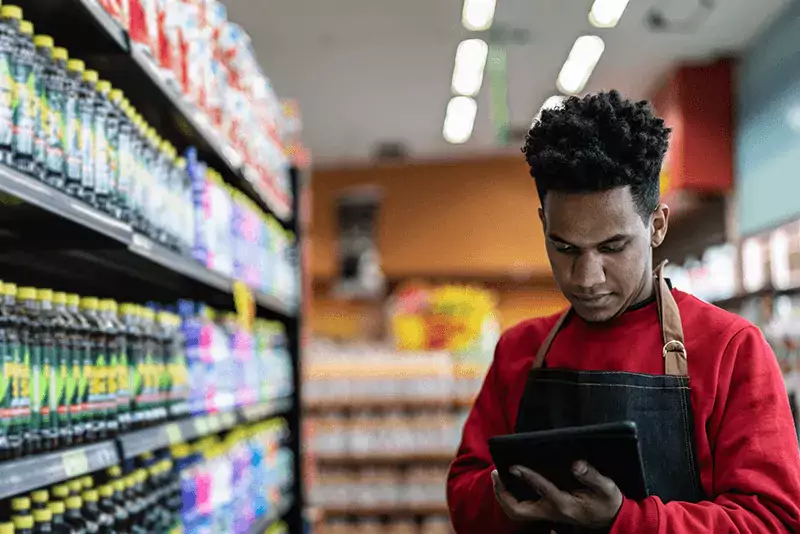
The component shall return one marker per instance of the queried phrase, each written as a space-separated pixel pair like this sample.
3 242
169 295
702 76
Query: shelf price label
174 434
75 463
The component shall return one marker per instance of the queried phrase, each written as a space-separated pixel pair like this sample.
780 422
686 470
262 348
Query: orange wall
472 218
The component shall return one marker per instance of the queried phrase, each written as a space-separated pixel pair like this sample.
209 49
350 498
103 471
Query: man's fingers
503 495
591 478
543 487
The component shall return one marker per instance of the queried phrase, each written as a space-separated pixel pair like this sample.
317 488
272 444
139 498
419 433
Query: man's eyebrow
612 239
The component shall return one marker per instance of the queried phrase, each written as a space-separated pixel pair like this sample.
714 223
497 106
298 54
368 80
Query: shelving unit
385 511
48 238
387 459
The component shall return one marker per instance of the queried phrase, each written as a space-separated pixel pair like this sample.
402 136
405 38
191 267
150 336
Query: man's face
600 249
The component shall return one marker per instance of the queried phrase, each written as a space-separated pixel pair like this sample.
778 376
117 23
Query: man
718 441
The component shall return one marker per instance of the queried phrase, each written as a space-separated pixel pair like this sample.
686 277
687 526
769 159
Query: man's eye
612 249
564 249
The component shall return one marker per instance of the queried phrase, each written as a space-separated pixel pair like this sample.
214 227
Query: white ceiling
369 71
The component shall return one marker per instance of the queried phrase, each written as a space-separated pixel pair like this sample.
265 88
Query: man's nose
587 271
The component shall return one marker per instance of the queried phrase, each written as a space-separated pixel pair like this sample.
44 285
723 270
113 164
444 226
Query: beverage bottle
43 521
78 380
92 514
7 528
87 483
60 492
51 330
118 360
111 355
108 507
179 371
135 505
152 366
58 509
56 89
87 94
20 507
14 358
24 99
122 515
125 171
10 16
6 389
73 152
75 488
30 335
136 182
96 370
148 191
100 148
39 500
64 387
74 517
113 132
43 45
163 334
134 348
23 524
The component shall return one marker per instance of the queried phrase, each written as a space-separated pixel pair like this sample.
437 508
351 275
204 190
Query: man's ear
659 223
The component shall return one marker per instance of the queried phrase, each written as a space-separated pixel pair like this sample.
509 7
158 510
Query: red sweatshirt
745 437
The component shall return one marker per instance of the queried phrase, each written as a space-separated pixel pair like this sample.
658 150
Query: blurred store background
322 210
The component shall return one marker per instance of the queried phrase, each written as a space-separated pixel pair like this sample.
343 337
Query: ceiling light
606 13
580 63
470 64
478 15
551 103
459 119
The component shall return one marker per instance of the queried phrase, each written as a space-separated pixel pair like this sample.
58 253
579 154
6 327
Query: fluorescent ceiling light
470 64
478 15
459 119
606 13
580 64
551 103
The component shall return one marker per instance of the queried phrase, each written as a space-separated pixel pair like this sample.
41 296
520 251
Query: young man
718 441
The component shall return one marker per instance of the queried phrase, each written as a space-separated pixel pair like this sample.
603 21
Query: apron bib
660 405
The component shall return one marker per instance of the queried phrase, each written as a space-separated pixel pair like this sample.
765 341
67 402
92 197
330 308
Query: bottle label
72 138
49 385
35 389
84 383
98 384
55 130
123 383
125 167
21 403
24 109
6 100
74 392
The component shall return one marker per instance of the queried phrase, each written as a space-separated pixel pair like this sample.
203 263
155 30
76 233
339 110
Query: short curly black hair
599 142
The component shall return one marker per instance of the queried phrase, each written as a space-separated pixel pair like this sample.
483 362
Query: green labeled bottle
92 514
74 517
118 349
17 399
30 335
6 389
96 371
25 100
78 382
48 379
134 345
113 355
63 368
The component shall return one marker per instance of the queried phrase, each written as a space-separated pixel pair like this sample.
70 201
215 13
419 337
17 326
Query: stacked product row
76 370
63 125
211 62
215 485
435 432
381 488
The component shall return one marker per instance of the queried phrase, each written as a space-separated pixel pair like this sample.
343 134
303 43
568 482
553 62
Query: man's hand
594 507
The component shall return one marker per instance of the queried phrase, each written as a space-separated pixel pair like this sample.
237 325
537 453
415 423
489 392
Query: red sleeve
470 495
756 469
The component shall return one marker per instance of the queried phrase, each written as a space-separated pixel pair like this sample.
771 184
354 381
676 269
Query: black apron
660 405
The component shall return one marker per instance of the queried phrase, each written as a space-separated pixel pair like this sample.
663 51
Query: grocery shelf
27 474
378 404
106 23
354 461
389 511
271 517
139 442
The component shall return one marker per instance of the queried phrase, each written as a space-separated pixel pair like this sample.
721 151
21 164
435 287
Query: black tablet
611 448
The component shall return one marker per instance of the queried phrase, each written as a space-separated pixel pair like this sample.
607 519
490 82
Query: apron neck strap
669 318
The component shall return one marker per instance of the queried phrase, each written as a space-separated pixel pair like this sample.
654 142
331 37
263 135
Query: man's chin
592 314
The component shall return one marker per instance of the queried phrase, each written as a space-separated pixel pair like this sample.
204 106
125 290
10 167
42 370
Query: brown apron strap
545 346
674 351
669 317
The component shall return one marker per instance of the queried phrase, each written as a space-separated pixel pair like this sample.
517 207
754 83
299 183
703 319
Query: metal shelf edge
105 21
27 474
47 198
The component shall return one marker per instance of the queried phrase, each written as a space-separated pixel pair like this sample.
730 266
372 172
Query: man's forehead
591 218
